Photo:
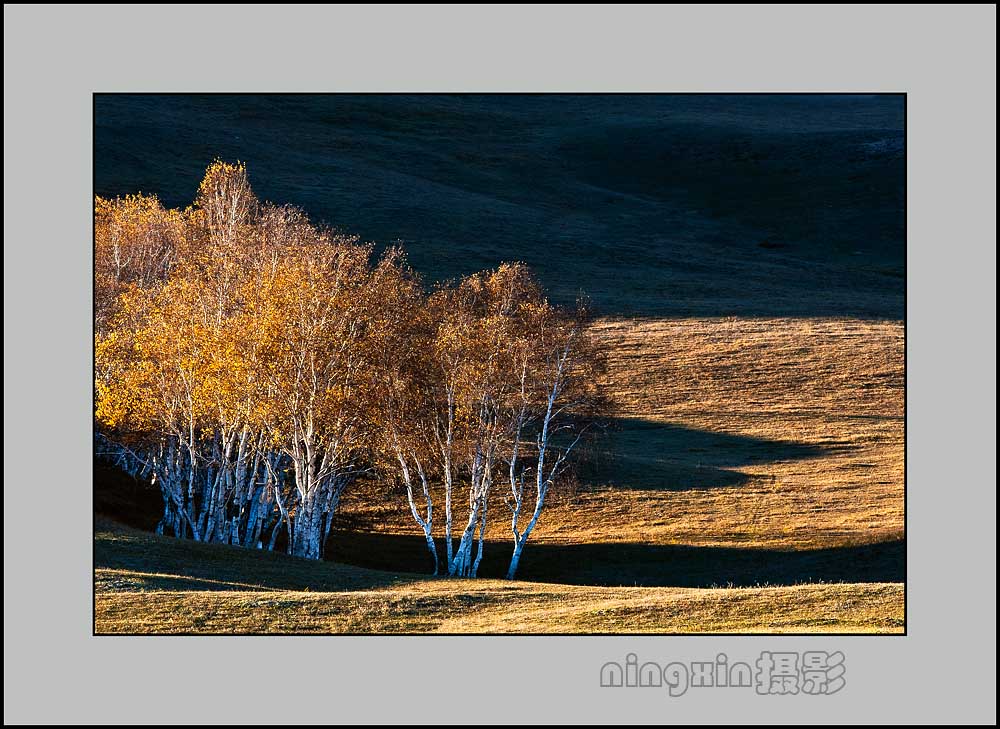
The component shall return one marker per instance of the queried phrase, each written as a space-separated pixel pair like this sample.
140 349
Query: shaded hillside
651 205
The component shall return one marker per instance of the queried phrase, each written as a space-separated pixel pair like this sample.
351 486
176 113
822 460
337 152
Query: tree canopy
253 365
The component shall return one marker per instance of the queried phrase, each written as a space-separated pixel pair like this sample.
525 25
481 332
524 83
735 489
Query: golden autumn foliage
136 243
254 364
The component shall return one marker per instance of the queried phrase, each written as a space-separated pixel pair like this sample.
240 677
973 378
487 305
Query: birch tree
326 308
560 368
247 365
503 367
407 385
150 368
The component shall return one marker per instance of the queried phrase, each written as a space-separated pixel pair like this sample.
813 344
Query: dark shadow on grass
645 454
143 562
630 564
165 563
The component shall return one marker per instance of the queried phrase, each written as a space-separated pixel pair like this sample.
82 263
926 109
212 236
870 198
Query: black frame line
906 604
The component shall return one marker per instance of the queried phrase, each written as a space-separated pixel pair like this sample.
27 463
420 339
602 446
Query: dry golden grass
770 433
172 586
812 414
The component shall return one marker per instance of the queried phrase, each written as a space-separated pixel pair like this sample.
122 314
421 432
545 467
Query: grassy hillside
153 584
651 205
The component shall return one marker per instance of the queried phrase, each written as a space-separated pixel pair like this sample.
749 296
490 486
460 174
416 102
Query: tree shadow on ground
646 565
646 454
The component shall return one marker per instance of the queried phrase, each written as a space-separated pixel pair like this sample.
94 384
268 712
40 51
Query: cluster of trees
254 365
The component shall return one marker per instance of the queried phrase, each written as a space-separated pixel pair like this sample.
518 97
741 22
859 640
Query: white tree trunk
426 522
543 480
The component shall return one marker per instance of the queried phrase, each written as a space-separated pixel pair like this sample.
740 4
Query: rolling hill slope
650 204
153 584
